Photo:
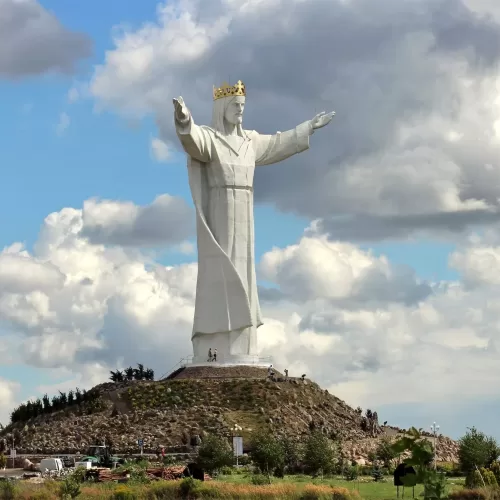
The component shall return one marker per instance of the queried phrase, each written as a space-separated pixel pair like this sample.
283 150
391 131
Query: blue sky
104 155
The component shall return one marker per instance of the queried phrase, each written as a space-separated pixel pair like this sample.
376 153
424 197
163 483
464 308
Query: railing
183 362
186 361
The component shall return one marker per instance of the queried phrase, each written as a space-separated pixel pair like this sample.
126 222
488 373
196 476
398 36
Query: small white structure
51 464
85 465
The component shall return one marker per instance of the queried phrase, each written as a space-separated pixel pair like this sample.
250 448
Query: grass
234 486
366 488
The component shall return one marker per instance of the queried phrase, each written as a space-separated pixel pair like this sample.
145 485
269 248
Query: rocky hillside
174 412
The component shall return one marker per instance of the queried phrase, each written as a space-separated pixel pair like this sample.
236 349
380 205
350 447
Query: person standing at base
209 355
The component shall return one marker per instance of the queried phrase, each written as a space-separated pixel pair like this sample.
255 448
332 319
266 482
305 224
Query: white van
51 464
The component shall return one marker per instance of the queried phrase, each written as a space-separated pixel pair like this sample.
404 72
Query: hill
194 401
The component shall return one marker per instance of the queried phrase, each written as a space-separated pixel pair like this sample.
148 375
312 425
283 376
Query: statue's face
234 111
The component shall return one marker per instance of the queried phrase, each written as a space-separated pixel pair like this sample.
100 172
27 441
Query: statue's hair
218 112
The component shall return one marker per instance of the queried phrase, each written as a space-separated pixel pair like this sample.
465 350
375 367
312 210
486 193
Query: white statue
221 163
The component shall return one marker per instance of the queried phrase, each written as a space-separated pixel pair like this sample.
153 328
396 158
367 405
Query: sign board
13 453
237 446
140 442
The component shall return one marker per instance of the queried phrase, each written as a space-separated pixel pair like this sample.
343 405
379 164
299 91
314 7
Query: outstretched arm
195 141
271 149
275 148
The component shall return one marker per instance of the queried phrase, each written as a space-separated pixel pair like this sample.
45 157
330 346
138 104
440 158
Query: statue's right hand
181 111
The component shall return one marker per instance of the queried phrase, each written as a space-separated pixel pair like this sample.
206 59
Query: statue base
230 360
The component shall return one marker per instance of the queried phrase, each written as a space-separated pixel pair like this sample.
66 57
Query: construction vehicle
100 456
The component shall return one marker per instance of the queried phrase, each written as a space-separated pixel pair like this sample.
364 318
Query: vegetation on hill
45 406
139 373
75 398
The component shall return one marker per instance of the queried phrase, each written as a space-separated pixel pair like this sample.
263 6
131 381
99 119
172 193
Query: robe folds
221 172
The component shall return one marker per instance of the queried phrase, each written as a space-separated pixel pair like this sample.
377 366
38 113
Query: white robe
227 310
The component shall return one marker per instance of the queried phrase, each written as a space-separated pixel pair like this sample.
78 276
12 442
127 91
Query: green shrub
7 490
488 477
124 493
385 451
473 480
267 453
227 471
3 461
214 453
469 494
495 468
189 487
319 454
259 479
351 473
377 473
70 488
476 450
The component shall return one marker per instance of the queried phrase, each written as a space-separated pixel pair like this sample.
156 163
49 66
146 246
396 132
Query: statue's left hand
322 119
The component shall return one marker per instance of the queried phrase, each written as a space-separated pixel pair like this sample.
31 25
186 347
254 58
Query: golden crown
226 90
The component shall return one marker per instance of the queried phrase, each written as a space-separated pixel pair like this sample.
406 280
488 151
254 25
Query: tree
139 372
476 450
319 455
385 451
291 453
214 453
268 453
129 373
422 454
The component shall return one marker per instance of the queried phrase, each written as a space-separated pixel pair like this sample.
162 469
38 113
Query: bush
319 455
188 487
476 450
488 477
70 488
473 480
385 451
351 473
227 471
495 468
450 469
377 473
7 490
260 479
124 493
475 494
292 454
3 461
214 453
267 453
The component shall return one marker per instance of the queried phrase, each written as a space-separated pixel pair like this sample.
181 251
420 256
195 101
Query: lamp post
434 429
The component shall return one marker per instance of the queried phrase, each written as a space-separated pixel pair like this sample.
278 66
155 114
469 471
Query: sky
378 249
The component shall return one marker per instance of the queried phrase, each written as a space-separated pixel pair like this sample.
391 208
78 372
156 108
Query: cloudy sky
378 249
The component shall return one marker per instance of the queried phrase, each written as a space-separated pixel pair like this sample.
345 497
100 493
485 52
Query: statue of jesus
221 163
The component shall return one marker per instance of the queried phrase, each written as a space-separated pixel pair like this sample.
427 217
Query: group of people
271 373
212 356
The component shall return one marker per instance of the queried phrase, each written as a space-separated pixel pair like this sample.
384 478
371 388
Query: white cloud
63 123
160 150
33 41
414 143
355 326
8 398
73 95
167 220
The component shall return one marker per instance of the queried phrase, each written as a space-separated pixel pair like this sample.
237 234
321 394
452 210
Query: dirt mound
176 413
